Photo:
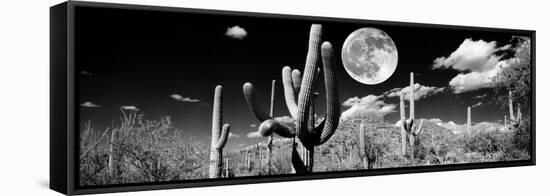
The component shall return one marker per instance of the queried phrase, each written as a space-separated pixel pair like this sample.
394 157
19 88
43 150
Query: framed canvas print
147 97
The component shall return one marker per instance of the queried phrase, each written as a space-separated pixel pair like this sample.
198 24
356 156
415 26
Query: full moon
369 56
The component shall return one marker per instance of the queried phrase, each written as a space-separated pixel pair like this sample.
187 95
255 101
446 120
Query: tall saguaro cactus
270 138
469 121
411 96
518 113
111 163
219 136
306 134
409 131
505 121
511 106
515 119
362 146
226 167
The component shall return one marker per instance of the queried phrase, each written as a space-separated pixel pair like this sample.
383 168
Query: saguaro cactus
469 121
362 150
515 119
518 113
306 134
511 106
227 167
413 138
408 128
219 136
111 164
270 138
260 158
505 121
248 156
366 149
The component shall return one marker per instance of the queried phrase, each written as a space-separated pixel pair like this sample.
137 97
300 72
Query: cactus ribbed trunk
260 159
111 164
469 121
219 136
518 113
411 98
215 163
362 153
403 125
412 143
505 121
302 157
227 167
245 157
270 138
248 162
511 106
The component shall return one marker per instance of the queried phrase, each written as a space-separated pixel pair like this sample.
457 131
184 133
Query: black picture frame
64 105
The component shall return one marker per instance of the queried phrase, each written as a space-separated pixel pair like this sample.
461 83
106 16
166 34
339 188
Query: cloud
178 97
471 81
88 104
253 125
85 73
241 145
477 104
253 135
436 120
471 55
129 108
480 96
397 124
478 62
420 91
236 32
232 135
369 105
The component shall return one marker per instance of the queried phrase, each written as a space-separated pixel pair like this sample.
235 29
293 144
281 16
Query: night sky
144 58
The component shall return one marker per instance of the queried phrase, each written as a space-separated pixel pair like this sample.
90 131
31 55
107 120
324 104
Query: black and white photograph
177 97
274 97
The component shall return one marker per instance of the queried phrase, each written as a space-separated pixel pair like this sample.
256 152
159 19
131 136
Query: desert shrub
93 156
522 135
145 151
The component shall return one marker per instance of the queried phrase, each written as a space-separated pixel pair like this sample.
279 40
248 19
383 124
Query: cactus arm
419 128
518 113
330 123
270 126
272 100
223 138
289 92
306 89
409 125
296 80
250 96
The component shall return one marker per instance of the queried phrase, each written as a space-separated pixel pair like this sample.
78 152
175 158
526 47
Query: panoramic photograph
167 96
